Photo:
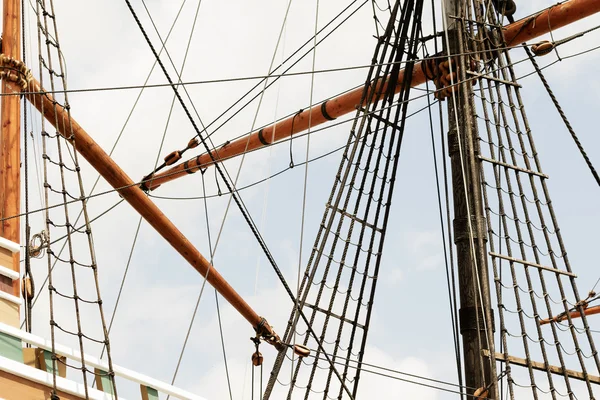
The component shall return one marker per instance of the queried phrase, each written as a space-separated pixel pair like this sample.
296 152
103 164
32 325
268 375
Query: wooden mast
10 174
475 315
518 32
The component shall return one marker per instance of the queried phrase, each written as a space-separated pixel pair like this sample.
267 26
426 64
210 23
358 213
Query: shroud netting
338 286
532 276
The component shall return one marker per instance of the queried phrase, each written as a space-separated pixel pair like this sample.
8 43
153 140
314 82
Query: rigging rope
113 148
218 168
563 116
78 302
305 183
28 286
113 190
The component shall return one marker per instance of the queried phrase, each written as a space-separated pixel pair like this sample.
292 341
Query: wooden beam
148 393
103 381
550 19
61 119
541 367
520 31
10 153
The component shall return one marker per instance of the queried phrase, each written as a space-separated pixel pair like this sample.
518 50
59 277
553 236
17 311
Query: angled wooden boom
119 180
520 31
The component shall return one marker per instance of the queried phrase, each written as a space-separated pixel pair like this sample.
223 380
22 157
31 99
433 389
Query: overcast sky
410 330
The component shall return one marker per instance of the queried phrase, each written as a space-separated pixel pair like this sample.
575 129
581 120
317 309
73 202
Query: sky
410 330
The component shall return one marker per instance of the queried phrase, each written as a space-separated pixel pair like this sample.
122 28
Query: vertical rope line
448 211
27 274
305 183
54 395
189 330
266 85
65 200
453 314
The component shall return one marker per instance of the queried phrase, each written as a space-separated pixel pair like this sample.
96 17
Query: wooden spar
10 160
540 366
520 31
572 314
548 20
119 180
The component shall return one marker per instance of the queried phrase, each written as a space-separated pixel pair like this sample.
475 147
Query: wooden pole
520 31
10 163
119 180
548 20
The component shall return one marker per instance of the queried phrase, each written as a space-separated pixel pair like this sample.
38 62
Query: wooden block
10 347
6 258
30 357
9 313
148 393
103 381
44 360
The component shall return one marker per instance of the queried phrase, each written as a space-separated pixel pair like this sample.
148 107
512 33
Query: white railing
72 354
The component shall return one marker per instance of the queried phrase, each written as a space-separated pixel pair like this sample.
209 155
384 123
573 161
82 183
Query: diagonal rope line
235 196
563 116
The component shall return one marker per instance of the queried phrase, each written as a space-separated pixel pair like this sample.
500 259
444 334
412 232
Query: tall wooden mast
475 314
10 174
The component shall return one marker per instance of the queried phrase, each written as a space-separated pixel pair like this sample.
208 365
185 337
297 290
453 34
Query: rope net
338 285
75 306
541 350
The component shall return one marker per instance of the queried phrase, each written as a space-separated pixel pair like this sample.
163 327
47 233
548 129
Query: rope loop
38 243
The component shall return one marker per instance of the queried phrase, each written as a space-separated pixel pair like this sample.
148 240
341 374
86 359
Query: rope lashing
438 69
15 71
266 332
